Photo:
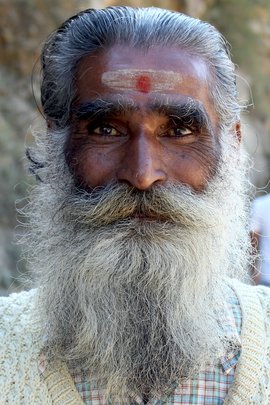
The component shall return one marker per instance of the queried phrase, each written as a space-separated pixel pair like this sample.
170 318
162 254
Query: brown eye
179 131
105 130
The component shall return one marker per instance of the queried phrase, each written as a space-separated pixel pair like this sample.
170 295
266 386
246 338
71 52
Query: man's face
144 118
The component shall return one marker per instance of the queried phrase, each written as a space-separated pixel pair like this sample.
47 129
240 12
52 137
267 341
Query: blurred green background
24 24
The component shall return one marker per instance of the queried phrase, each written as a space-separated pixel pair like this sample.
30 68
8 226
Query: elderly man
139 234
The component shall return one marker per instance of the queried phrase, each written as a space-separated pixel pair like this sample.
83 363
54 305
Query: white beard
131 301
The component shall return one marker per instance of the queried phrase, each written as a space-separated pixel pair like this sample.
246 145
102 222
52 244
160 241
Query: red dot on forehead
143 83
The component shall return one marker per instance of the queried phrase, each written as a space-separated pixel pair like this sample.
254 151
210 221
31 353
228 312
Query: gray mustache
172 203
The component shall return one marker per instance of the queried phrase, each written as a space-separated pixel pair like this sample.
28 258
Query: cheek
184 169
193 165
92 168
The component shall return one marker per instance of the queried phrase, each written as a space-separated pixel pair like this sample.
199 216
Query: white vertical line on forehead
142 80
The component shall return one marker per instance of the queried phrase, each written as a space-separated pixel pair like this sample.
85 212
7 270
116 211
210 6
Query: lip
148 218
144 217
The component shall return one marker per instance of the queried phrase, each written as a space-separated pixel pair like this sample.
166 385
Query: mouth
143 217
148 217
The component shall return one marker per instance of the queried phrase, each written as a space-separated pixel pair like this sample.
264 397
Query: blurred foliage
233 19
241 22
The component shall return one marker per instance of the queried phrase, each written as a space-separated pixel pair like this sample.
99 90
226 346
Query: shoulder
19 321
253 369
20 344
252 294
17 312
255 307
17 301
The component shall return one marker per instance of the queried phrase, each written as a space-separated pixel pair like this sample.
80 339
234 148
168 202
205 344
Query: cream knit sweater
20 345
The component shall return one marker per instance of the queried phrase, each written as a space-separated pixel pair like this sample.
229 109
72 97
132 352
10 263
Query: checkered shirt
209 387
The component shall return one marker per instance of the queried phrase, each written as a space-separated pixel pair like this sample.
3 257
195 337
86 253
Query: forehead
144 75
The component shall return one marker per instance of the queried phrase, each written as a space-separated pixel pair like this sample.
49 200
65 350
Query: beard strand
131 280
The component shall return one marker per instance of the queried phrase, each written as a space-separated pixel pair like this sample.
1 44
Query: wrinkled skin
148 130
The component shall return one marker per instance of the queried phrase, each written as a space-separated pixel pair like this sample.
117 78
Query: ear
49 124
237 131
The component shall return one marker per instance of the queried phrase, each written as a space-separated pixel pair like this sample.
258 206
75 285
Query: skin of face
131 123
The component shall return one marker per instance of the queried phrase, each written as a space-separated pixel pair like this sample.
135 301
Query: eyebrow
189 110
100 108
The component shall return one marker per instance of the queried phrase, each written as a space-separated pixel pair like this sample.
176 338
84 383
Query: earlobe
238 131
49 124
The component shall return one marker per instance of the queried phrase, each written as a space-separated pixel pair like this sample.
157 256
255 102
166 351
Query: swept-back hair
91 31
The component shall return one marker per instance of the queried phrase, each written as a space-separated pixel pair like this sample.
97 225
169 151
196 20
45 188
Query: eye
104 130
178 131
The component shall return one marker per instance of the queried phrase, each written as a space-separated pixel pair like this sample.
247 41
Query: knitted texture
252 379
20 383
21 344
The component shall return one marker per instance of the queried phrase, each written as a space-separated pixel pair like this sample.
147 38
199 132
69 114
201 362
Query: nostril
125 181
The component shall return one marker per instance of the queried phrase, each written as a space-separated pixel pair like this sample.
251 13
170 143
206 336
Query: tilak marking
144 81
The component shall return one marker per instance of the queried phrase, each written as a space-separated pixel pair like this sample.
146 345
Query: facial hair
132 282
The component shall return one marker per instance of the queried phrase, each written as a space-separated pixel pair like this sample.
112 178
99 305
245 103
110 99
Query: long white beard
132 301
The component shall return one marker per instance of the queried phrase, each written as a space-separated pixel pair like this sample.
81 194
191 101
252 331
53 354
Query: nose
141 166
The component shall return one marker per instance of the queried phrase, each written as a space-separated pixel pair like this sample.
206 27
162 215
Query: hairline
218 85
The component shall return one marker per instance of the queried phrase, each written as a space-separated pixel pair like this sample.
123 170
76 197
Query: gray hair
92 30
